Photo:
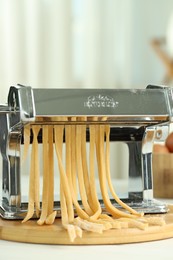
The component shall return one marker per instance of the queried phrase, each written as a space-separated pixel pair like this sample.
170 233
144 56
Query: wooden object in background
163 175
158 45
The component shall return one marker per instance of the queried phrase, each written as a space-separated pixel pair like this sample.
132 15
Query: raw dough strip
34 184
108 176
68 149
68 158
63 177
134 223
67 213
51 169
45 192
102 177
26 134
107 225
95 201
64 216
85 165
59 145
72 178
89 181
30 211
73 157
158 221
89 226
114 222
36 129
51 218
80 172
154 220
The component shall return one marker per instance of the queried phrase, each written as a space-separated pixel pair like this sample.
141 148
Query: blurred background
83 43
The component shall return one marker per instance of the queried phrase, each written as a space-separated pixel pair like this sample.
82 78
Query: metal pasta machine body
137 117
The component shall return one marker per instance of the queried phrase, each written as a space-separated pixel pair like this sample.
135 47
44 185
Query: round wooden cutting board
30 232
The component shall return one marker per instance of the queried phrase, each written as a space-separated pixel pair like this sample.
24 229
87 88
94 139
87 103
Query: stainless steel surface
137 118
102 102
146 206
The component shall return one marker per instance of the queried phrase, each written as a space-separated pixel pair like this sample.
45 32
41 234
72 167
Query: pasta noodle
34 191
73 158
96 204
26 134
46 180
64 185
77 176
67 213
124 205
84 165
102 176
80 170
51 170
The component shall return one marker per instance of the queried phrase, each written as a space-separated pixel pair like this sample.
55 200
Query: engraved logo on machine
100 101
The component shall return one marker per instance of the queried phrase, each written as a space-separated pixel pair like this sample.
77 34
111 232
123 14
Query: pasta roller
137 117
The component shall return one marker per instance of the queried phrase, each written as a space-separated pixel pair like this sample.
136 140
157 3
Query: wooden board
163 175
30 232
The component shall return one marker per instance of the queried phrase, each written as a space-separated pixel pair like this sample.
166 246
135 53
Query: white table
140 251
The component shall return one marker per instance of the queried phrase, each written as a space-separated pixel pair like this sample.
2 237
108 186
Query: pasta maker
138 117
